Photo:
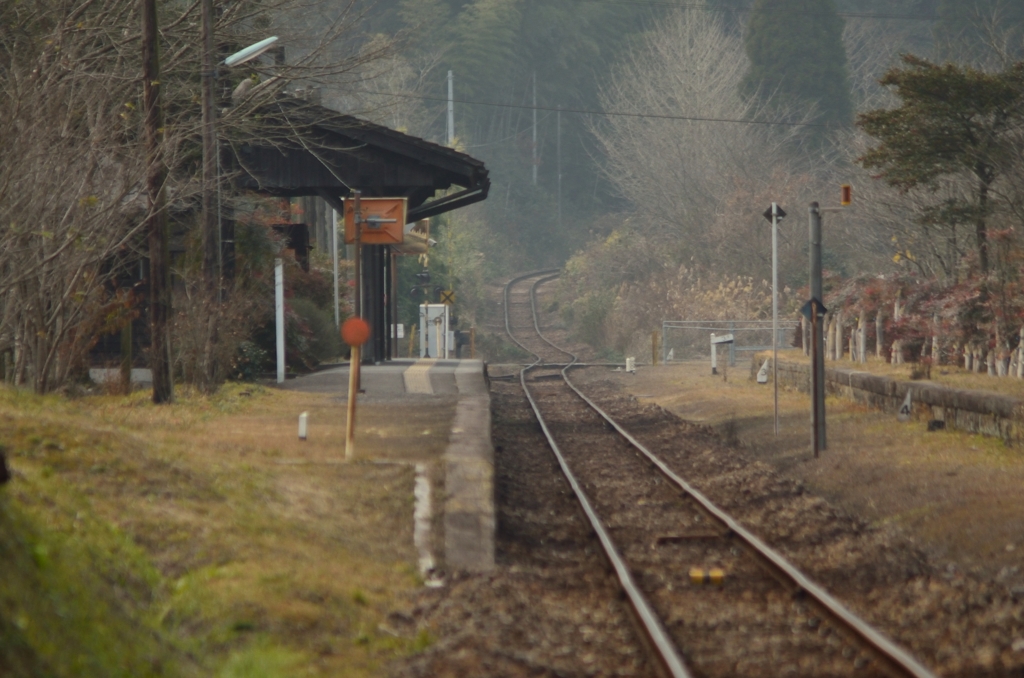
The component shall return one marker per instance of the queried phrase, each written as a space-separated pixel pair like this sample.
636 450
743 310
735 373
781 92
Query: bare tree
872 48
681 175
72 181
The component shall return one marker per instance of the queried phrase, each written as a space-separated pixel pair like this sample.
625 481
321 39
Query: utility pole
451 109
818 440
558 154
535 128
156 217
210 235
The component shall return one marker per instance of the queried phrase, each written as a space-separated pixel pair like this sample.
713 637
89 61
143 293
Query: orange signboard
382 221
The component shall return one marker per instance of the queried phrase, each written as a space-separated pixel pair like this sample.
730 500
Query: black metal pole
817 340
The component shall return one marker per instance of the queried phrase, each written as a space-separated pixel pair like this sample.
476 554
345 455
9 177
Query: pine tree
953 122
797 57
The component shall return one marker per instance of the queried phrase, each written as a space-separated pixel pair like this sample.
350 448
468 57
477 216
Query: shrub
322 339
249 362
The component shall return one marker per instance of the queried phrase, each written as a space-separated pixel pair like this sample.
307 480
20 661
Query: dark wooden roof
305 149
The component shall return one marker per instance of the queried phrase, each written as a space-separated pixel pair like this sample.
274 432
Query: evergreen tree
797 56
953 122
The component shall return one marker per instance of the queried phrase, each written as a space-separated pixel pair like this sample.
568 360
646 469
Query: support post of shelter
393 303
358 299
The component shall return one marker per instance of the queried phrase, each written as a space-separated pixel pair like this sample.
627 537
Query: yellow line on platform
417 377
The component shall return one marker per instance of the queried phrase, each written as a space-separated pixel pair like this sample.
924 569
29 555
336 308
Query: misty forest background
659 217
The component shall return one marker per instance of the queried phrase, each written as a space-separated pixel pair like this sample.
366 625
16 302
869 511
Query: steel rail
895 657
656 634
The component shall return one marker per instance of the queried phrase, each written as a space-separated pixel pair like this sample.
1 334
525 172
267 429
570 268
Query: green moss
74 595
261 662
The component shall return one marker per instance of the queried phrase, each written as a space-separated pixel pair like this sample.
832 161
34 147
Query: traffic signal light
847 195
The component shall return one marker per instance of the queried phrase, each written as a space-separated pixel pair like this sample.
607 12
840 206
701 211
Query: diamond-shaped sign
768 213
805 310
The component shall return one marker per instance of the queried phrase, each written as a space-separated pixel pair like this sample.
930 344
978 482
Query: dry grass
267 551
956 494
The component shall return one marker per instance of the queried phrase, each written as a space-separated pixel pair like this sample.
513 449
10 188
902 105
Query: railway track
708 596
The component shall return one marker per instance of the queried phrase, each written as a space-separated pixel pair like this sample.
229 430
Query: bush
322 341
249 362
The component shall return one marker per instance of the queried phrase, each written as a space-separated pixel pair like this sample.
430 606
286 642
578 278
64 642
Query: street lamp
250 52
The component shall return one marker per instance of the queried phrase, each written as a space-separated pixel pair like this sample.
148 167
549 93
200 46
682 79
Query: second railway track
766 619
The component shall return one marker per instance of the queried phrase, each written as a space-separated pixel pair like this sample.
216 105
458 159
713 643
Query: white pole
558 152
334 257
534 158
451 109
775 310
714 355
279 313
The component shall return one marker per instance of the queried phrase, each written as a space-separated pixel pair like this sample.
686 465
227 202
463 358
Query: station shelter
309 150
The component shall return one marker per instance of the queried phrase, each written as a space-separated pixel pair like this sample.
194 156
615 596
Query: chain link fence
691 339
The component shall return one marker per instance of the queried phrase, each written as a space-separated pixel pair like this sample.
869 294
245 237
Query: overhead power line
732 10
607 114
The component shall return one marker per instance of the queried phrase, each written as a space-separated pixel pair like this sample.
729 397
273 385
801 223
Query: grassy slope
196 539
75 593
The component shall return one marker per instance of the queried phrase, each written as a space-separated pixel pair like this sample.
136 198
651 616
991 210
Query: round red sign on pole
355 331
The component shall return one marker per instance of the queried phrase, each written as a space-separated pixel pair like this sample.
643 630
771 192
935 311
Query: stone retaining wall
982 412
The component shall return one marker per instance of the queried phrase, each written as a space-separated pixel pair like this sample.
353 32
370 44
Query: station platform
436 413
395 378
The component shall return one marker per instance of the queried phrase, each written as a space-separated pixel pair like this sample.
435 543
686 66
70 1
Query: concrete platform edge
469 517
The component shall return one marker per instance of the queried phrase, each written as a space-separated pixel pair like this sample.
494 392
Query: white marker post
279 316
303 420
905 408
715 341
714 355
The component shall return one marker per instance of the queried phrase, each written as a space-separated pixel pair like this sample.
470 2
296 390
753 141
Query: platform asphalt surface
394 379
460 389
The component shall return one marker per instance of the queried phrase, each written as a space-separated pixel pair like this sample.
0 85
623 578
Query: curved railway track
652 525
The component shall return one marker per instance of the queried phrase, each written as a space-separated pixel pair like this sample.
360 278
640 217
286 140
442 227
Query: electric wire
748 10
607 114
